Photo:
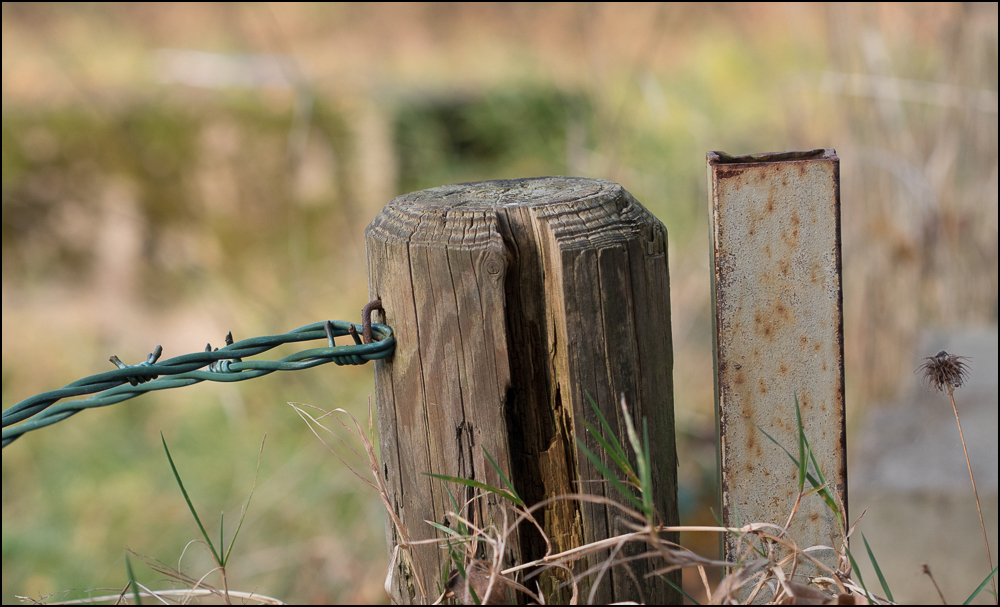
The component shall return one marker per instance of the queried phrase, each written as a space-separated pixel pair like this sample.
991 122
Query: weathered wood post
778 334
511 300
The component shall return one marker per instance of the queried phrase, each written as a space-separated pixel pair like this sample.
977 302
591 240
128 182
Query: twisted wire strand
223 365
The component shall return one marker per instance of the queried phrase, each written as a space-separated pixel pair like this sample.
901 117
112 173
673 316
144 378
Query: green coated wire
219 365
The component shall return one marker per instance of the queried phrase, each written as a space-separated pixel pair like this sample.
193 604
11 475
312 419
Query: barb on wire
221 365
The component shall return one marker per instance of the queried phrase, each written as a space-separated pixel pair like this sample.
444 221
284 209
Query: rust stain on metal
778 333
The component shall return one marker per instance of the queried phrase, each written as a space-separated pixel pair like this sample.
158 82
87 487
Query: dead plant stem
989 557
927 572
225 587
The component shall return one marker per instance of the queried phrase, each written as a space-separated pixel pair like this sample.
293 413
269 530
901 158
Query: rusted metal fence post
778 334
511 301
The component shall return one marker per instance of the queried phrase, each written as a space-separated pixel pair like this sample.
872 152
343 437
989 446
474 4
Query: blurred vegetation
509 134
139 208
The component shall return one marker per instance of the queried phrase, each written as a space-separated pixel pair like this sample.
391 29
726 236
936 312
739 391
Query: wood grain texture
511 302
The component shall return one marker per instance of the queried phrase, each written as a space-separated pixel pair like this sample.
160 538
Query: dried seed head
945 371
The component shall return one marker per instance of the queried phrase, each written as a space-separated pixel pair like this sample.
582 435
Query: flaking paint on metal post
778 334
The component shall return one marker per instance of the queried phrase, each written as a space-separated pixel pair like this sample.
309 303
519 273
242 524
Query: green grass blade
878 570
615 450
679 589
803 467
222 533
825 494
812 458
823 487
814 491
808 448
609 449
806 451
503 477
812 479
857 572
773 440
468 482
451 496
462 529
611 478
246 506
461 571
715 516
187 499
973 596
131 581
633 439
447 530
457 536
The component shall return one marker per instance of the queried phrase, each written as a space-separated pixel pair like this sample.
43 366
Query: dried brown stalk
945 371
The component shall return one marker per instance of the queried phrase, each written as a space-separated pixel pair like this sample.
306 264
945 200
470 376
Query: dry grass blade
390 574
736 580
312 421
182 578
478 582
373 466
786 588
766 580
791 546
704 580
473 580
187 580
802 594
480 576
601 570
184 597
477 551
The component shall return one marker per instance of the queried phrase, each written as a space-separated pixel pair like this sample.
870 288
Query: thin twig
927 572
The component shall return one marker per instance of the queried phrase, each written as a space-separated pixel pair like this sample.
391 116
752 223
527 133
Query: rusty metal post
778 332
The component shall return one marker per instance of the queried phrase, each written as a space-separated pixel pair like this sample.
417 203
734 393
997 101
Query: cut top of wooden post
582 211
778 336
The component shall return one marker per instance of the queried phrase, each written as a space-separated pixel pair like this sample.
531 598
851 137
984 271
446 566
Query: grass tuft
477 550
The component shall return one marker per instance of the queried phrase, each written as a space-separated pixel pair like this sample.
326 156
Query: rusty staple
366 319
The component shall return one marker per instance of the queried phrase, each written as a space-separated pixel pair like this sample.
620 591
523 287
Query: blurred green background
173 172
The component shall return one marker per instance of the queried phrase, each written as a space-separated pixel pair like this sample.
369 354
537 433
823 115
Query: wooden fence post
778 335
511 300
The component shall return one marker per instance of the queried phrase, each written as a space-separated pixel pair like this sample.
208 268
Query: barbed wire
223 365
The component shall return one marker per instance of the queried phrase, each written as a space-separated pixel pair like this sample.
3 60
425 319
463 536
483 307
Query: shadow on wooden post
510 300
